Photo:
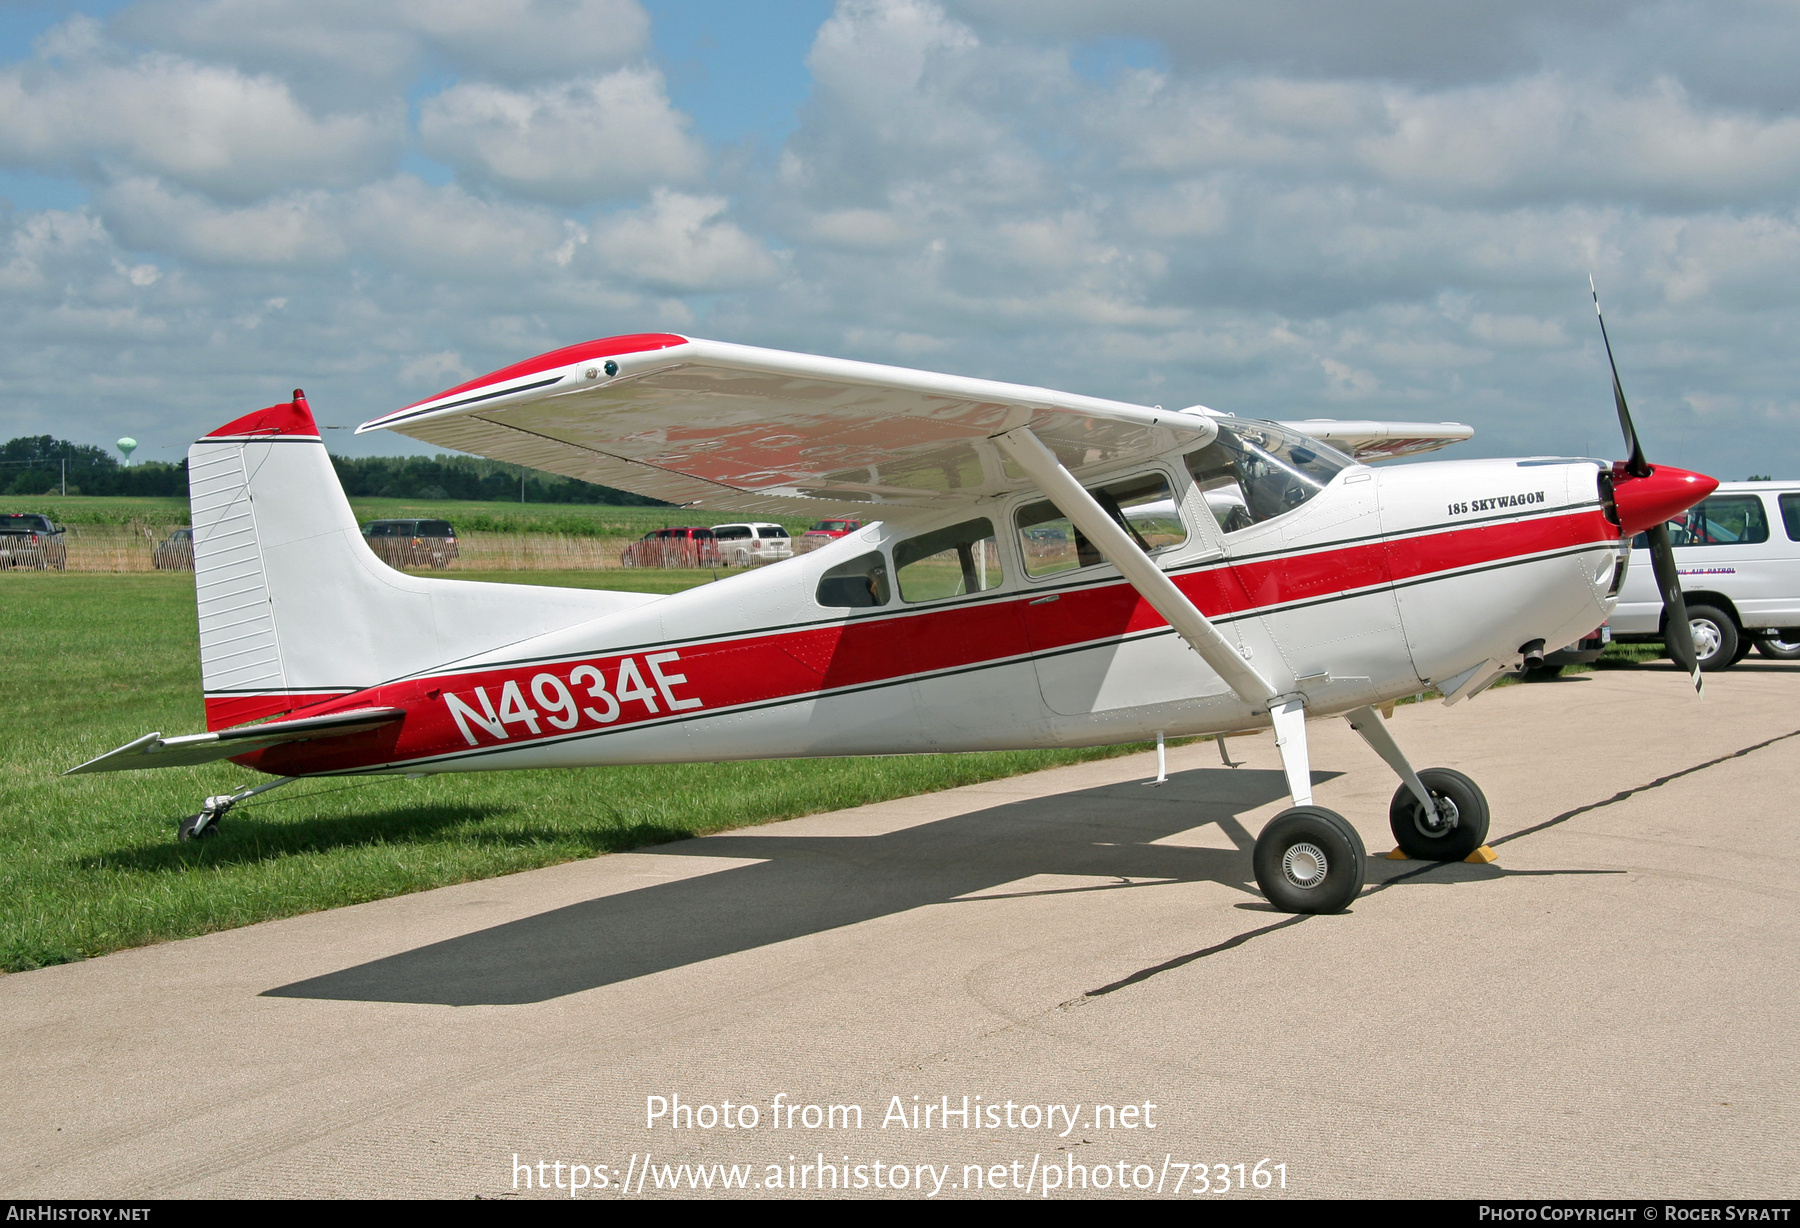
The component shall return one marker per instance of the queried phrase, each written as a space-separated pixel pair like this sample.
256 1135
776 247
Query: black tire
1715 637
1423 840
1309 860
186 830
1745 644
1779 650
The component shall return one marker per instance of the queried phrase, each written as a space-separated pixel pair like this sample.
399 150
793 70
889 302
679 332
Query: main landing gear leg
1308 859
1437 814
199 826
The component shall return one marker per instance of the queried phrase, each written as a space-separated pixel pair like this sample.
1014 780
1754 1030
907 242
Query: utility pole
521 486
65 477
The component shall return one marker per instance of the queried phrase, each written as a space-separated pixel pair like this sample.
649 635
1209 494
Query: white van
1738 554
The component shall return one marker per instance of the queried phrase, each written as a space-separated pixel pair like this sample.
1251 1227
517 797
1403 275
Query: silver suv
753 544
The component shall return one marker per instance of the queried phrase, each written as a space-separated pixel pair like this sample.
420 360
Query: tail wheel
1459 827
1309 860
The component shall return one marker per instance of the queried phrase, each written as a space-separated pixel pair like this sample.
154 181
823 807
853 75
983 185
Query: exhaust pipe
1533 653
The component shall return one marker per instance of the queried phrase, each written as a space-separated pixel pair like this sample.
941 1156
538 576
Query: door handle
1045 600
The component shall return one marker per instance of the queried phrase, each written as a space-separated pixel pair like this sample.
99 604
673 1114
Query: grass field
569 519
89 864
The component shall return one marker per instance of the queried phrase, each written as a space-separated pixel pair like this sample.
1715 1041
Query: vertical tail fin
295 607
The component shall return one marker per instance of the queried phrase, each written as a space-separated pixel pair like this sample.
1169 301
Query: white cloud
447 233
570 142
678 242
1260 231
1551 135
348 46
149 216
204 126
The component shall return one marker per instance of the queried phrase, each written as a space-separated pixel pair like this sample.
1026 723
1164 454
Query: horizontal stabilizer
1377 441
155 751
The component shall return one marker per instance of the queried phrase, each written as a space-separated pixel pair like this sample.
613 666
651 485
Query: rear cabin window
1255 471
436 528
775 531
862 583
950 562
1142 505
731 533
24 524
1790 516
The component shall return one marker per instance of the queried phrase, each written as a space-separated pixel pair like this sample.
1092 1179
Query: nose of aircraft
1662 494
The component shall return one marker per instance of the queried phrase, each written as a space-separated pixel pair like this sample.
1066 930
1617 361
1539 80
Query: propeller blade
1668 582
1637 466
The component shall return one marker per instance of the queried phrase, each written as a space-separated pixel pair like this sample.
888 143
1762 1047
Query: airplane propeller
1645 497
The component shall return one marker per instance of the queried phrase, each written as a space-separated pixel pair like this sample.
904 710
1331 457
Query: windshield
1256 470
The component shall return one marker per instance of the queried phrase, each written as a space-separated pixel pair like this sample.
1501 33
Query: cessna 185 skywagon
1037 569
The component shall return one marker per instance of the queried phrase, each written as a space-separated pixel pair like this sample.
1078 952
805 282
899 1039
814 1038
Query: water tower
128 445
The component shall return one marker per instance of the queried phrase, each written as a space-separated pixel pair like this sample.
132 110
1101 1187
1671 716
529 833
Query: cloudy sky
1287 209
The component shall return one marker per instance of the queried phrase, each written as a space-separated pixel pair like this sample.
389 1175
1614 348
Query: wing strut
1141 572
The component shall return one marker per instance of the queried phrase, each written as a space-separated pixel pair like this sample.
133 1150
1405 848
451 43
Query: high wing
1378 441
154 750
711 424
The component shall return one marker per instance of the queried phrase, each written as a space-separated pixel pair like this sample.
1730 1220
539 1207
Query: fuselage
1383 582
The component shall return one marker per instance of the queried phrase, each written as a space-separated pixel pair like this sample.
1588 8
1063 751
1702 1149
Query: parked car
752 544
1738 555
174 552
412 543
824 533
30 540
687 546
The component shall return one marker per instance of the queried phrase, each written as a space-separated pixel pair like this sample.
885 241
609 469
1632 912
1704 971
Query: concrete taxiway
1608 1010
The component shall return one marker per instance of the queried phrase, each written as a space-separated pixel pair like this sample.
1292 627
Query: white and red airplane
1038 569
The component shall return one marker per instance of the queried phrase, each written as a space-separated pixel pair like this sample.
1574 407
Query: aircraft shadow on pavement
803 885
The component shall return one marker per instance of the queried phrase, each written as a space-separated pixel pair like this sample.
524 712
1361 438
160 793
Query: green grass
89 864
470 516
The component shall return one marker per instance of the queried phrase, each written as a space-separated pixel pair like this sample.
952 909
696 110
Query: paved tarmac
1608 1010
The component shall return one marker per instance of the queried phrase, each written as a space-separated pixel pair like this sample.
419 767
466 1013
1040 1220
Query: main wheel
1309 859
1779 650
1715 637
1459 828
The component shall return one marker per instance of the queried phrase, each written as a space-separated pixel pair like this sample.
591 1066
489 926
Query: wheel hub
1304 865
1707 637
1436 827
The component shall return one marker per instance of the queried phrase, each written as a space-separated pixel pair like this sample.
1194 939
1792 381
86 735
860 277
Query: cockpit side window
1255 471
949 562
1142 505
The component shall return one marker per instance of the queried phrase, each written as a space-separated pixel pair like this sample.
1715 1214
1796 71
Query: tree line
33 465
